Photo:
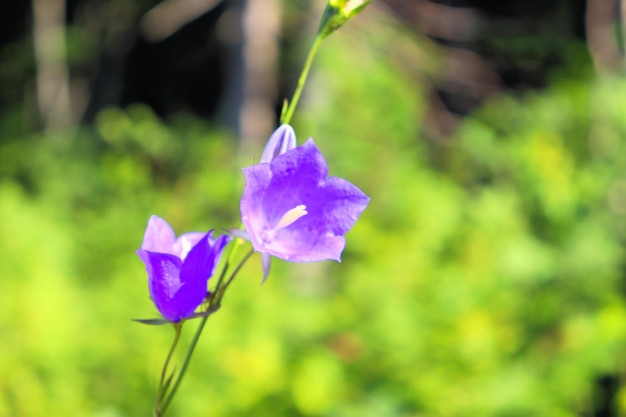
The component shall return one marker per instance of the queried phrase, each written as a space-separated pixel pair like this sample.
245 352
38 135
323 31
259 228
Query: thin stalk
622 32
222 291
215 300
157 408
183 368
288 114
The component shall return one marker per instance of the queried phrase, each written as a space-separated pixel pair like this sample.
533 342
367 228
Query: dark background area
488 46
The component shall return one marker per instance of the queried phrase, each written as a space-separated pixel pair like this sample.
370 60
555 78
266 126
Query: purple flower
282 140
178 269
293 211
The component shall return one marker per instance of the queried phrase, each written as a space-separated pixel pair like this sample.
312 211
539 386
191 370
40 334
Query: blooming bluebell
178 268
292 210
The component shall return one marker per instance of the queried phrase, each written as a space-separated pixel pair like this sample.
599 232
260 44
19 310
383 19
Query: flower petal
341 205
185 242
333 209
293 176
163 282
202 259
252 216
196 270
159 236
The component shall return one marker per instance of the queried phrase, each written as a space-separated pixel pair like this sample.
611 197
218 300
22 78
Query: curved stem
157 408
288 114
215 301
220 295
183 369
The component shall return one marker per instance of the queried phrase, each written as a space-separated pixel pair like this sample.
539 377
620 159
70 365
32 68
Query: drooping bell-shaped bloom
178 268
282 140
292 210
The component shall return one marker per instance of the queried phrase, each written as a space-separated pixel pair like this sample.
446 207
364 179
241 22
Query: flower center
268 233
291 216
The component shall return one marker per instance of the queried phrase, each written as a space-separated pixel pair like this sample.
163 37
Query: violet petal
185 242
159 236
163 282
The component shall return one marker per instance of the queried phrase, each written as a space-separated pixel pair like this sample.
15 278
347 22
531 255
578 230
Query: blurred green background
486 277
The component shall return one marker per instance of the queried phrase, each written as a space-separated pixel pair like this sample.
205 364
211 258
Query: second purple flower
178 268
292 210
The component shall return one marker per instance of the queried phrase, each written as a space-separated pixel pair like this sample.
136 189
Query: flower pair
290 209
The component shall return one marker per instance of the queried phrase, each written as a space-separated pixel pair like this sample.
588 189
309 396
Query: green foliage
487 284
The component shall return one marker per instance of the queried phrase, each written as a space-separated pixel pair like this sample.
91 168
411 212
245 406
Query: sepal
152 322
238 233
338 12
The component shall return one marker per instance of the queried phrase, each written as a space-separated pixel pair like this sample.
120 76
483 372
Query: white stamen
291 216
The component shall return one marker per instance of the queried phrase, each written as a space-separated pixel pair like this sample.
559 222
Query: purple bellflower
292 210
178 268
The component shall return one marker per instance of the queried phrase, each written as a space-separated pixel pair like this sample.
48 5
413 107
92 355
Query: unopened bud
282 140
337 12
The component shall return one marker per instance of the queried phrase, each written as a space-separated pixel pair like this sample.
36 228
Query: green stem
220 295
288 114
183 369
215 301
157 408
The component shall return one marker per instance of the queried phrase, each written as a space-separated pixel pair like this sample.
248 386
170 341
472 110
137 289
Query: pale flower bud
282 140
